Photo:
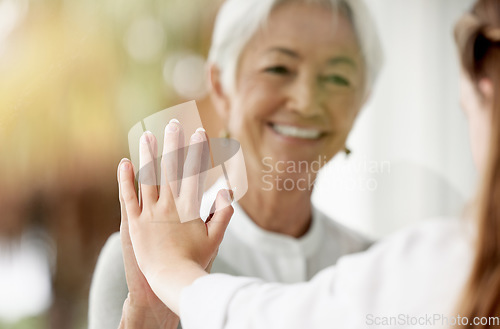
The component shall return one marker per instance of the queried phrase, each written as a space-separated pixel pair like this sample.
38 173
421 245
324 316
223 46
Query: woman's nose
304 96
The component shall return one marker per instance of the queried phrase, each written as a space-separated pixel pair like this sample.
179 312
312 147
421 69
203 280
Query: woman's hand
172 254
142 308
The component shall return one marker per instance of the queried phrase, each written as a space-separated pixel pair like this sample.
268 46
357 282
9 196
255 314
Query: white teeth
297 132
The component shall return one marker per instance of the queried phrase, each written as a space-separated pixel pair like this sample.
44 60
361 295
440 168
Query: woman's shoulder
418 270
427 244
108 289
111 252
113 244
433 234
110 261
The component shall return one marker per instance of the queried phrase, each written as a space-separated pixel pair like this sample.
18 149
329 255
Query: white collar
270 242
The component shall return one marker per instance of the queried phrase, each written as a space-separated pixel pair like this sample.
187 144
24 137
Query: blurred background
411 157
75 75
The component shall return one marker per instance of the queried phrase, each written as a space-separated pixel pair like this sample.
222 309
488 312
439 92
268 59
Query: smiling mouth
296 132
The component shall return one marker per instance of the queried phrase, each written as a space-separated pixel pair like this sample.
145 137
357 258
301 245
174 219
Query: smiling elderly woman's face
299 86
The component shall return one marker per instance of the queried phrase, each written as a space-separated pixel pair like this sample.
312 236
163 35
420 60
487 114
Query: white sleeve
405 274
108 289
222 301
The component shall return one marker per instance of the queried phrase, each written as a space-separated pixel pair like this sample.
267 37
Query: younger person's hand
142 309
172 254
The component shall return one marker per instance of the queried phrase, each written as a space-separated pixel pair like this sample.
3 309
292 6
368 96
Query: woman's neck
285 212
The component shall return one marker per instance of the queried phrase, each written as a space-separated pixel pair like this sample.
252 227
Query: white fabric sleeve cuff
204 304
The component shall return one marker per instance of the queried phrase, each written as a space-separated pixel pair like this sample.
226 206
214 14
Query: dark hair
478 39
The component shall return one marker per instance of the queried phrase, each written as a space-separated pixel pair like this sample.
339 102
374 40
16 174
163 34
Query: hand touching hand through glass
142 309
172 254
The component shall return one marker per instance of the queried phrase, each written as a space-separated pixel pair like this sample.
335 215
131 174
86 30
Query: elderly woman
440 274
289 79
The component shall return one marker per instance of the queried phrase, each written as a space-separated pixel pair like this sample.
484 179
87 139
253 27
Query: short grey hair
239 20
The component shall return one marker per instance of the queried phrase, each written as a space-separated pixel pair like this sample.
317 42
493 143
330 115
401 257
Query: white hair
238 21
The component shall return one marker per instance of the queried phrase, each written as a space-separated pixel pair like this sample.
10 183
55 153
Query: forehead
307 27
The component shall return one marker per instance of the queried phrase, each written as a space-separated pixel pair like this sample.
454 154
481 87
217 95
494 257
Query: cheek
257 100
478 122
343 111
466 104
342 114
469 100
479 130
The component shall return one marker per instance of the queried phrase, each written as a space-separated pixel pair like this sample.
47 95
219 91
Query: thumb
124 231
123 211
223 211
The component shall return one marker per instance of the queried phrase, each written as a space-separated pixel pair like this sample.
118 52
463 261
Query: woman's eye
282 70
337 80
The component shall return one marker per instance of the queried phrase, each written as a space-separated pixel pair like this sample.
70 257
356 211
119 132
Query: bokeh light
145 39
75 75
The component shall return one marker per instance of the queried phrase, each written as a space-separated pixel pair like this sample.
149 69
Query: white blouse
412 279
247 250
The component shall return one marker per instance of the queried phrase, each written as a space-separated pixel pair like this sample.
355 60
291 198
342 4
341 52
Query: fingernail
172 126
146 137
174 120
226 195
120 168
196 137
200 129
125 166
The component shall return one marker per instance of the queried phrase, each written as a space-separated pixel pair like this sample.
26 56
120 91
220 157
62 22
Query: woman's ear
218 94
487 92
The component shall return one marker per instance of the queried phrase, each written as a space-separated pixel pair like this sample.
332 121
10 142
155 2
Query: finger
133 273
196 159
128 253
172 161
147 171
212 211
127 190
223 212
123 212
205 165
